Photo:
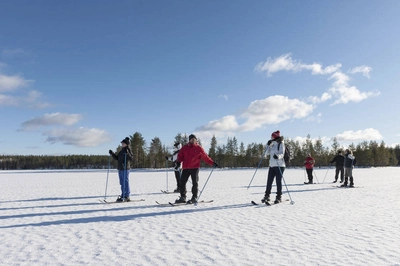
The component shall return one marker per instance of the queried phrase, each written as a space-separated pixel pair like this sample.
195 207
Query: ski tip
254 203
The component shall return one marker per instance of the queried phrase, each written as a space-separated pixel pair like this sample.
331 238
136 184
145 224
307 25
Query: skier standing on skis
190 156
178 170
349 162
276 151
339 159
309 164
123 157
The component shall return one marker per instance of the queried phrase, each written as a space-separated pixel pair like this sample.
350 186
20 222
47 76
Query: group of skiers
187 160
187 164
344 165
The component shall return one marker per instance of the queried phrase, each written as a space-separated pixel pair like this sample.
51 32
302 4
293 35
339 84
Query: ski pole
258 166
166 171
205 184
124 180
291 201
108 171
316 176
326 174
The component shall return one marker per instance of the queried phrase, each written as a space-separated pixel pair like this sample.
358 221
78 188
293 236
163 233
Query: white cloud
6 100
361 69
11 83
51 120
271 110
286 63
224 97
360 135
340 90
80 137
345 93
226 123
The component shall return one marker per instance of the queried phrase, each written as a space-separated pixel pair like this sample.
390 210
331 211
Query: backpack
286 155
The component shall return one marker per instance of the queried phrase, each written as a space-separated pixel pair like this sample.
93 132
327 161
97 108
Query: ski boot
181 200
193 200
266 199
278 199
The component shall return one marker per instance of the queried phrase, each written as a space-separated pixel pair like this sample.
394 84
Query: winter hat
125 140
191 136
275 134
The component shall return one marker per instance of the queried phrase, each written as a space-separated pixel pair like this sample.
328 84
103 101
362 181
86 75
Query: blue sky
76 77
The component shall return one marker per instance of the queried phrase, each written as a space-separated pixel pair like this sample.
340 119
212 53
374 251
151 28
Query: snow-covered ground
56 218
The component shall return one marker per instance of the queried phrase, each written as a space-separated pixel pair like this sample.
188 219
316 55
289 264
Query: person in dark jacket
349 162
339 159
178 170
190 157
309 164
123 157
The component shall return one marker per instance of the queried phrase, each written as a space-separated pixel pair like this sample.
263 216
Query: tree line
232 154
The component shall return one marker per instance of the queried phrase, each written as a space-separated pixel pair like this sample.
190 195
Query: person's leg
346 176
279 175
127 189
309 174
351 177
337 174
270 180
121 183
178 179
195 181
184 179
341 174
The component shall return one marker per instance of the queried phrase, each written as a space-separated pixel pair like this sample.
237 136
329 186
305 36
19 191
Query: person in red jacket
309 164
190 157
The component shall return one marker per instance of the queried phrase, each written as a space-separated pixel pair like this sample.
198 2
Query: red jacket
309 162
191 155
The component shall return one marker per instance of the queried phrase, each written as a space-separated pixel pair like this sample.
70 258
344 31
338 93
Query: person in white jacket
276 151
177 168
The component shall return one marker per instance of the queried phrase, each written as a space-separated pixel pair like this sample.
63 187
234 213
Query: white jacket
273 149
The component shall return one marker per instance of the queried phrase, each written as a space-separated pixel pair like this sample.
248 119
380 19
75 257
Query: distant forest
230 155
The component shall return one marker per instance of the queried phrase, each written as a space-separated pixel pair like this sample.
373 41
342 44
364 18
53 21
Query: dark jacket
191 155
349 160
339 159
122 159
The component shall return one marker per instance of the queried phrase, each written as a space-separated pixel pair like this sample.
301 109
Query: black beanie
191 136
125 140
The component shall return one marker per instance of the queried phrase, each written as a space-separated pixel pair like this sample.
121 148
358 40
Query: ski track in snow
55 218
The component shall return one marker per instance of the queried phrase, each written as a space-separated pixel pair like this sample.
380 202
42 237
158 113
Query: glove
275 156
269 142
215 165
110 152
166 158
177 165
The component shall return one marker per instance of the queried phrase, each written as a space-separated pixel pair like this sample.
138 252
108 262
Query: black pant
341 170
272 173
309 174
178 178
194 173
